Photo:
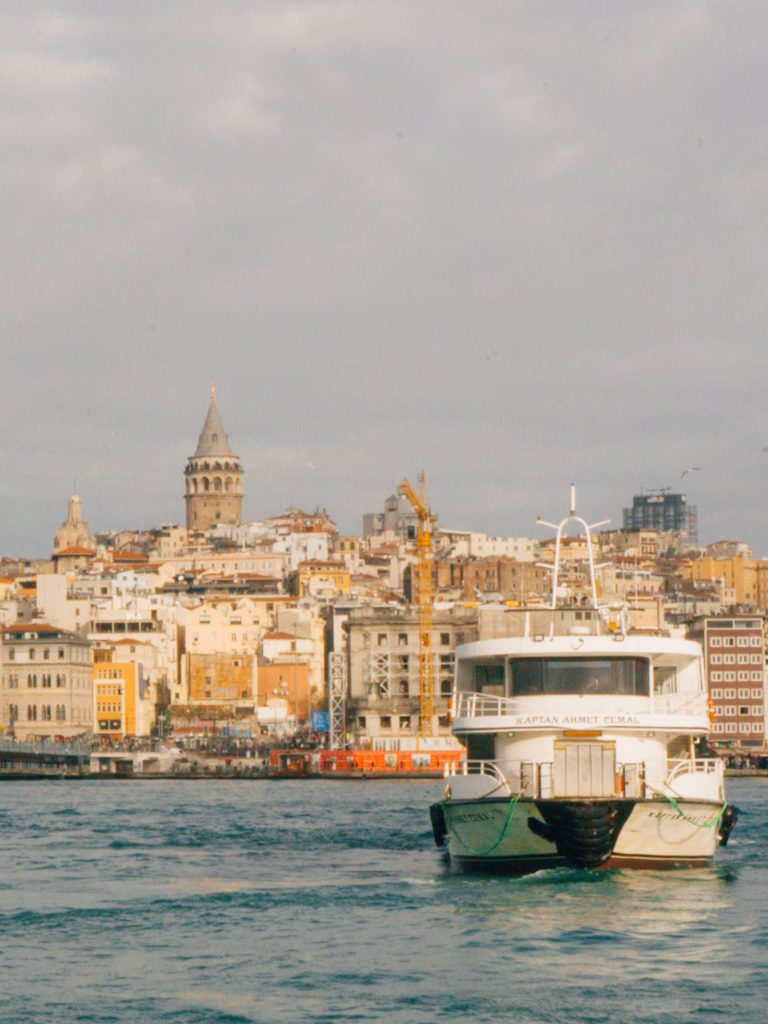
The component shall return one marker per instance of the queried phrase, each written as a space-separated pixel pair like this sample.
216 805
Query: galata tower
214 477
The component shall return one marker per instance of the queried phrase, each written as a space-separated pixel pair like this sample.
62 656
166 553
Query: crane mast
424 598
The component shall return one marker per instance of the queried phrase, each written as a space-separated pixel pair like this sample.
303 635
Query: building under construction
384 652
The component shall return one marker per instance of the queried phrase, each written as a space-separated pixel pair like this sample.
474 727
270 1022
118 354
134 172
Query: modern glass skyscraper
660 510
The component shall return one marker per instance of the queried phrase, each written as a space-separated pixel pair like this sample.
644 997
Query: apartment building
47 682
121 697
734 659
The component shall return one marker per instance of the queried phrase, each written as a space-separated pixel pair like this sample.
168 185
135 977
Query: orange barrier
378 762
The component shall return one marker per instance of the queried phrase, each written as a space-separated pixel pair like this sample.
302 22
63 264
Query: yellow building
116 698
318 578
747 578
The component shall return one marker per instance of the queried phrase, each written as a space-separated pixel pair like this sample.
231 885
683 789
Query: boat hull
519 836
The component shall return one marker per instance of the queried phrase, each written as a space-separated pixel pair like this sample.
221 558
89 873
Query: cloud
513 250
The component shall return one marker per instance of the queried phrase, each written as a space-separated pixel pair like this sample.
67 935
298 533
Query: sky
513 244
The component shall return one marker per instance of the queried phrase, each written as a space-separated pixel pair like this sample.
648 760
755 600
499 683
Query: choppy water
238 902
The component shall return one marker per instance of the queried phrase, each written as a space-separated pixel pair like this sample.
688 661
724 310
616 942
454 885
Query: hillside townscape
261 632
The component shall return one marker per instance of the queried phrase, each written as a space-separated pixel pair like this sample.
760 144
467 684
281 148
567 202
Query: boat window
490 679
664 680
579 676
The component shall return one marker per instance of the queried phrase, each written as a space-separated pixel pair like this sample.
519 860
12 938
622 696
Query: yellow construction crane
424 596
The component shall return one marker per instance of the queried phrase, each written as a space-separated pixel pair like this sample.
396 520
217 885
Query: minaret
214 477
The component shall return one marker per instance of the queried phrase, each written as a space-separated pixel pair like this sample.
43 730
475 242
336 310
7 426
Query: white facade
303 547
57 604
467 544
226 627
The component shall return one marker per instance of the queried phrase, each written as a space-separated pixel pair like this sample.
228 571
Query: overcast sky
514 244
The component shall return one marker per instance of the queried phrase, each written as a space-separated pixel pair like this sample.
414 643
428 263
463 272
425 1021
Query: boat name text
569 720
468 816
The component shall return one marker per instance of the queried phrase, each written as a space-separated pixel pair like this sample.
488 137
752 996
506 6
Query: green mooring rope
502 835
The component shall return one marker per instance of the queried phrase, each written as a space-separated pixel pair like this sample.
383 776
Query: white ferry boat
581 744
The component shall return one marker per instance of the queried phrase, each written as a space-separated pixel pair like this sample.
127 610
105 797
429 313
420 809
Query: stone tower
214 477
74 532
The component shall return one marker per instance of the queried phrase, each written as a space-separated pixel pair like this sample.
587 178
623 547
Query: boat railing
486 705
481 705
475 767
536 779
693 766
630 780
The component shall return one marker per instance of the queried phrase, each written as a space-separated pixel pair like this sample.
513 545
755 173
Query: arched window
206 484
31 653
228 484
31 712
217 483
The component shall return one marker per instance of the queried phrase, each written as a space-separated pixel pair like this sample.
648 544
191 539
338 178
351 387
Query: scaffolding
337 699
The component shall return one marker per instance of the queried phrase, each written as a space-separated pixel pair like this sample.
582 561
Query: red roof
33 627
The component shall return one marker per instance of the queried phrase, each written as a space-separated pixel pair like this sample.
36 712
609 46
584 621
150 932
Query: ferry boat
582 743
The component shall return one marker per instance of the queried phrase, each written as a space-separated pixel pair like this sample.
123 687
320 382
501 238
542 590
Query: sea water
217 902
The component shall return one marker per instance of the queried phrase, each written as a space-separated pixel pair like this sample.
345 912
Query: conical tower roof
213 438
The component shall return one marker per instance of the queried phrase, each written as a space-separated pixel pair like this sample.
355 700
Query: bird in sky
691 469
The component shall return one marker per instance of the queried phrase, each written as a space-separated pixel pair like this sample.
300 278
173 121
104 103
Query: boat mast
572 517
